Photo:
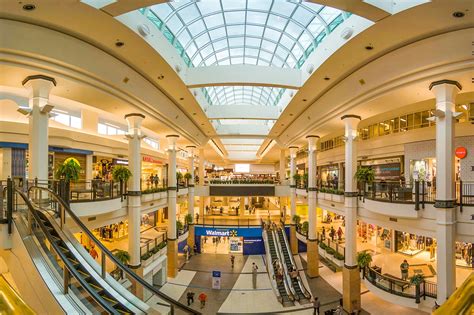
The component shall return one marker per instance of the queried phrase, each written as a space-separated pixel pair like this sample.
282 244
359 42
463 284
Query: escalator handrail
300 281
63 257
270 270
117 262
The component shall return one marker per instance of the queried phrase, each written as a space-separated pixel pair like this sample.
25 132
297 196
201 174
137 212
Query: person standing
93 252
404 266
339 233
202 298
232 260
254 275
197 218
190 297
316 305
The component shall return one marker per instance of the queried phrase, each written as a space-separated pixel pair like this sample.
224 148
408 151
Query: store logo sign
232 233
460 152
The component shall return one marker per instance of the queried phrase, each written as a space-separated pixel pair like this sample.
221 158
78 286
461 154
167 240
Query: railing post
423 194
103 263
65 280
460 196
390 192
373 190
417 195
9 204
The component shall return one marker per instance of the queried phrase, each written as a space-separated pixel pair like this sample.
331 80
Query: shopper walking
93 252
404 266
254 275
316 305
202 298
190 297
339 233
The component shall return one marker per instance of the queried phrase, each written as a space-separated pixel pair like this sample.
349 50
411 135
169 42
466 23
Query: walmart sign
231 231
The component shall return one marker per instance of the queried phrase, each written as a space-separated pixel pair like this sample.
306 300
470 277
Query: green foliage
188 176
153 251
188 218
322 245
123 256
338 256
296 219
153 190
330 250
69 170
179 176
417 279
365 175
297 177
305 227
179 225
364 259
121 173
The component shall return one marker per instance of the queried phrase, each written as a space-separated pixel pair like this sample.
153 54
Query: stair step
109 300
83 274
73 261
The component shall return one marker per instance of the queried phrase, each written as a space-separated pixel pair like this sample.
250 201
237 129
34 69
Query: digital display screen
242 168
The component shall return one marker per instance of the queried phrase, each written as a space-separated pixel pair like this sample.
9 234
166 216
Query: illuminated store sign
232 233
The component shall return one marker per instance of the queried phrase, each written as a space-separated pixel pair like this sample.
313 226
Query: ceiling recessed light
160 77
119 44
29 7
369 47
327 78
304 100
194 114
181 98
458 14
282 125
291 114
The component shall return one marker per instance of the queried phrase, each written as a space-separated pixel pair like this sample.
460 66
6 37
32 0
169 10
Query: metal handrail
114 259
63 257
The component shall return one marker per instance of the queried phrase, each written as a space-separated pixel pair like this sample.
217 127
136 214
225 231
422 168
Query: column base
351 289
313 258
293 240
172 258
191 240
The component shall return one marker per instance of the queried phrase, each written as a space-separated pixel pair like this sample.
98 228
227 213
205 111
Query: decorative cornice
452 82
38 76
351 194
351 116
312 240
292 186
171 188
134 267
312 188
133 115
445 204
190 186
312 136
134 193
351 267
172 136
293 147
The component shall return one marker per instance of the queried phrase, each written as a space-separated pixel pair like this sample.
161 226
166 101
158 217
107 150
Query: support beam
313 255
293 239
172 246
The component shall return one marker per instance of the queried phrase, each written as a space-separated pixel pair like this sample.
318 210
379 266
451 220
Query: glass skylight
279 33
244 95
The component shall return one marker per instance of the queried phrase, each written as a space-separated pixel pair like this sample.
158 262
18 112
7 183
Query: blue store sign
229 232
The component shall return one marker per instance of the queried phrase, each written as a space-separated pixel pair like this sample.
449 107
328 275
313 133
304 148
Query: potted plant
68 171
179 178
296 219
364 176
179 226
304 228
363 260
121 174
188 219
417 280
297 178
305 180
124 257
187 178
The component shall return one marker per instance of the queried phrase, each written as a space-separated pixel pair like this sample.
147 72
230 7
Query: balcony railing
418 193
153 246
242 182
398 286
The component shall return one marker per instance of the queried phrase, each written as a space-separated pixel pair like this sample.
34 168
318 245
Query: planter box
338 198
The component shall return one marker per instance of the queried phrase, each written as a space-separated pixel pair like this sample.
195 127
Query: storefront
225 240
412 244
329 175
58 155
153 172
389 169
424 169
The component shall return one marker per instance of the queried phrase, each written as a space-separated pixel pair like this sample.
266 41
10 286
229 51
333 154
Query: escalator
283 293
102 286
302 295
75 268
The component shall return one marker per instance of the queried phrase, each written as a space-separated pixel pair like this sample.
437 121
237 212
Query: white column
201 166
172 186
282 166
312 199
191 181
293 151
351 122
134 137
89 170
39 88
445 92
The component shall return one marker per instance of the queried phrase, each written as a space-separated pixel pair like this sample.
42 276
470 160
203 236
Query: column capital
134 121
351 116
172 141
445 81
293 150
312 141
190 149
39 85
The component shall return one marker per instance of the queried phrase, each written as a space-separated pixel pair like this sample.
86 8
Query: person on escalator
93 252
293 273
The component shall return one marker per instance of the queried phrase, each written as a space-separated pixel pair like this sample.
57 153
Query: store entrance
221 245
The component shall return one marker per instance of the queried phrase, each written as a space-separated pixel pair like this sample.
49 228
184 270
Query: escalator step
83 274
96 288
64 249
123 311
109 300
73 261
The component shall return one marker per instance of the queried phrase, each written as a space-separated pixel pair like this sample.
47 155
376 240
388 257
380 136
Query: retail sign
151 159
460 152
232 233
216 279
119 162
